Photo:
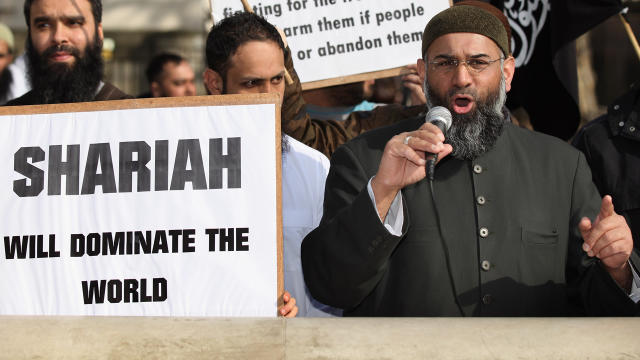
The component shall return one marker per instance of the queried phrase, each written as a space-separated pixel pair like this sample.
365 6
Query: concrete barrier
363 338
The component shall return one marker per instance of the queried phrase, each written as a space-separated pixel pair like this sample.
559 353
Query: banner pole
249 9
627 27
246 6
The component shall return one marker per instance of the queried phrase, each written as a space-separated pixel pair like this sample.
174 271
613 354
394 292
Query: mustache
50 51
458 91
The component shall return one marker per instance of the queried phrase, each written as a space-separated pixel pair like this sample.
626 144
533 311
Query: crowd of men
511 224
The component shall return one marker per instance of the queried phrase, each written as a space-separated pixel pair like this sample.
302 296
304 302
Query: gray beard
474 133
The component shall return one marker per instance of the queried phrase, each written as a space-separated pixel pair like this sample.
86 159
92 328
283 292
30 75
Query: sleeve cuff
395 217
635 286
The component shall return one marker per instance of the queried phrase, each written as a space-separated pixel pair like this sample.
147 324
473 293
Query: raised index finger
606 208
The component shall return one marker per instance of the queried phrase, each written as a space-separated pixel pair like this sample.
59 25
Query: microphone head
440 114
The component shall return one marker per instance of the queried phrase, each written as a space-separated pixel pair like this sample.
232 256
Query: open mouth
462 104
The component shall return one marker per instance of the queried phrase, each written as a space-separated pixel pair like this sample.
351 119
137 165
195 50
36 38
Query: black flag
543 34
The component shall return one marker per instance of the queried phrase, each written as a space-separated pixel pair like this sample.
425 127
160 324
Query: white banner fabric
121 240
339 38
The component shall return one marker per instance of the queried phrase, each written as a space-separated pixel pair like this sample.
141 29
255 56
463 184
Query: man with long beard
511 224
64 48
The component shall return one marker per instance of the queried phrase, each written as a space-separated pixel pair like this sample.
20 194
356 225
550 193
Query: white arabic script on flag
527 19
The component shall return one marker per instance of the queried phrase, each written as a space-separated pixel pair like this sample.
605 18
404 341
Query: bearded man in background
64 47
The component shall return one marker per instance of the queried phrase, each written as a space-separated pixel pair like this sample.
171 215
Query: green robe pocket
539 256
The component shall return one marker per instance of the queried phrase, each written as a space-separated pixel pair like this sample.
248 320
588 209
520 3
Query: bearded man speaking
64 48
510 225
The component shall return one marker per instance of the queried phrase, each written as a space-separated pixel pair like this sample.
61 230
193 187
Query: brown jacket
326 135
108 92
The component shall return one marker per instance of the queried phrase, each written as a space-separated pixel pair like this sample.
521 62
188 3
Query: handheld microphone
439 116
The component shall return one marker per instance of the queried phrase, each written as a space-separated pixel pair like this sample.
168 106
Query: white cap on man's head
7 36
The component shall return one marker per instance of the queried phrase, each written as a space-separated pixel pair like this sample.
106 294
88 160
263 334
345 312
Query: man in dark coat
64 46
611 144
511 225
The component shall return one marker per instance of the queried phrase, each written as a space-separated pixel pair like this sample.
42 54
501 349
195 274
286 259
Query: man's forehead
465 43
259 48
257 59
172 65
61 8
182 69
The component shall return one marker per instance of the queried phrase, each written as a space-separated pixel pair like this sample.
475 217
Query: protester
611 144
504 228
6 58
64 46
170 75
245 55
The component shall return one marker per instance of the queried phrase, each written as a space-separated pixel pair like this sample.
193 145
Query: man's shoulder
26 99
107 92
596 131
304 171
305 156
111 92
597 126
538 144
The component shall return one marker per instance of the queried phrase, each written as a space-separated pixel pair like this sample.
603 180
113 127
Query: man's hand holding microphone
405 157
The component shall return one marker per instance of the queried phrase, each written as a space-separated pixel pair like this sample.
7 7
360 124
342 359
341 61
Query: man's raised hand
609 239
403 163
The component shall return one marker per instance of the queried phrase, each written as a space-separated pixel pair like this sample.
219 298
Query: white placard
128 240
338 38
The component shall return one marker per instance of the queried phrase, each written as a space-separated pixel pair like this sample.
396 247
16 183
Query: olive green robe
509 219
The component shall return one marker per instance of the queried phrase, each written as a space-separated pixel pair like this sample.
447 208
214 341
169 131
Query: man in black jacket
64 48
511 225
611 144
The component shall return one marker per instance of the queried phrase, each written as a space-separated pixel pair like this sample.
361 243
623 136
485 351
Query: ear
213 82
100 33
155 89
509 71
420 67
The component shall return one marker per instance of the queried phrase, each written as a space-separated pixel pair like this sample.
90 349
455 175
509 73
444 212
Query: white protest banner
155 207
336 41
